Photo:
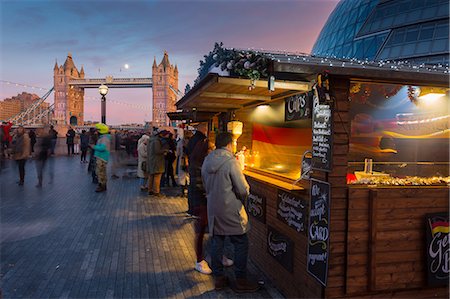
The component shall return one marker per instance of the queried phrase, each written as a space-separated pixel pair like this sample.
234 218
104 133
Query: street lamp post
103 90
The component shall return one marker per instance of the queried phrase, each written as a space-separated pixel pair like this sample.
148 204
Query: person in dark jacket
54 139
70 141
44 146
199 136
32 136
93 137
197 195
170 158
84 145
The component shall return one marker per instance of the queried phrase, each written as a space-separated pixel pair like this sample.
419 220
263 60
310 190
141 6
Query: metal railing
32 113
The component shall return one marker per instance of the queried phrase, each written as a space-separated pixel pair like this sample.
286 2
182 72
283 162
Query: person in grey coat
226 192
155 162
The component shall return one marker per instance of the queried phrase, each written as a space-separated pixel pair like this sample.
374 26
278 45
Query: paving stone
66 241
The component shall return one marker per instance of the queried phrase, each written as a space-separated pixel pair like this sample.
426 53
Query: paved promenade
66 241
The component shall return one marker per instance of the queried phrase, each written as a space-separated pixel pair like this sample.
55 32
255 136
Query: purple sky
103 36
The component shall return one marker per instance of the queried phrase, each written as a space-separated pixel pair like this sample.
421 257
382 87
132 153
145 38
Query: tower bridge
69 84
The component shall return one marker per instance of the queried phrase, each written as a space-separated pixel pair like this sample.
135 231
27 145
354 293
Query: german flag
280 148
440 227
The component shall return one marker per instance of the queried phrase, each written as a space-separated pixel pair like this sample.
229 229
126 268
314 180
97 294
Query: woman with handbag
142 162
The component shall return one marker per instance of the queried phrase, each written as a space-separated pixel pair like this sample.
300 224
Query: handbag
144 166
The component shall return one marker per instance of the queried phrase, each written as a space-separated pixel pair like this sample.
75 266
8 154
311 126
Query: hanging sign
298 107
281 248
319 231
256 206
291 210
322 143
438 250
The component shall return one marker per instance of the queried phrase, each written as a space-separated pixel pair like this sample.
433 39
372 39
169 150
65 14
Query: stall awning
220 94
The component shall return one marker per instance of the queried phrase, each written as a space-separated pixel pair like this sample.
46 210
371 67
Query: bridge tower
164 75
69 100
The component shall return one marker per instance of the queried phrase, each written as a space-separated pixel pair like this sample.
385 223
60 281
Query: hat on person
102 128
164 132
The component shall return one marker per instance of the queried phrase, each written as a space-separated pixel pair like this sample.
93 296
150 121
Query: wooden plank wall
386 240
298 284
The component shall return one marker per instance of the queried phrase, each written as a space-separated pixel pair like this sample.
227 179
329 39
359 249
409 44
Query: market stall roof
219 94
294 73
307 67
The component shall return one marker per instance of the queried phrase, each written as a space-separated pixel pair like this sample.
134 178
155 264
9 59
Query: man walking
54 139
21 151
69 141
226 190
43 150
102 152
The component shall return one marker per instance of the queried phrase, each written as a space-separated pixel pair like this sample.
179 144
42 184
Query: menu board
318 230
256 206
322 143
291 210
281 248
298 107
438 249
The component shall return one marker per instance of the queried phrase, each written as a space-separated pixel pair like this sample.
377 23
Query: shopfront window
399 134
277 146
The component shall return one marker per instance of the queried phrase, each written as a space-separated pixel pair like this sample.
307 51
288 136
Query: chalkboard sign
322 143
256 206
281 248
291 210
298 107
437 249
318 230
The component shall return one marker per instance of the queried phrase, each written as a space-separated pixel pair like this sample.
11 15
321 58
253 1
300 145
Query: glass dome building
413 30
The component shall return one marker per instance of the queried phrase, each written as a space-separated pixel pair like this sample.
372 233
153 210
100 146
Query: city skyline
104 36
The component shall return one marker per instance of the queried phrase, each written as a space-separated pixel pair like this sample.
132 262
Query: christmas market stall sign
438 249
319 231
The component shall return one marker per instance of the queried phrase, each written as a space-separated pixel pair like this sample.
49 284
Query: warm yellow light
431 93
431 97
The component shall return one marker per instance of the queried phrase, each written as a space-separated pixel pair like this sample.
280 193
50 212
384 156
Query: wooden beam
219 105
293 85
236 96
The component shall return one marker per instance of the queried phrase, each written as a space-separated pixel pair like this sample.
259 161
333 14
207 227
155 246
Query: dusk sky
103 36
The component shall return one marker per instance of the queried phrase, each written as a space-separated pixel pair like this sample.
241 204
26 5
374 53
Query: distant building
165 80
69 99
12 106
387 30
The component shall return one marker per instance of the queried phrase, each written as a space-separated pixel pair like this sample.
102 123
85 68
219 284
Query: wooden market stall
348 166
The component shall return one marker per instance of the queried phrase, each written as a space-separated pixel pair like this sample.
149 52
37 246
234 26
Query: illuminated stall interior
403 129
274 146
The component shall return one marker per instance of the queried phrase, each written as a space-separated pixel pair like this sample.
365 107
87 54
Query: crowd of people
208 174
